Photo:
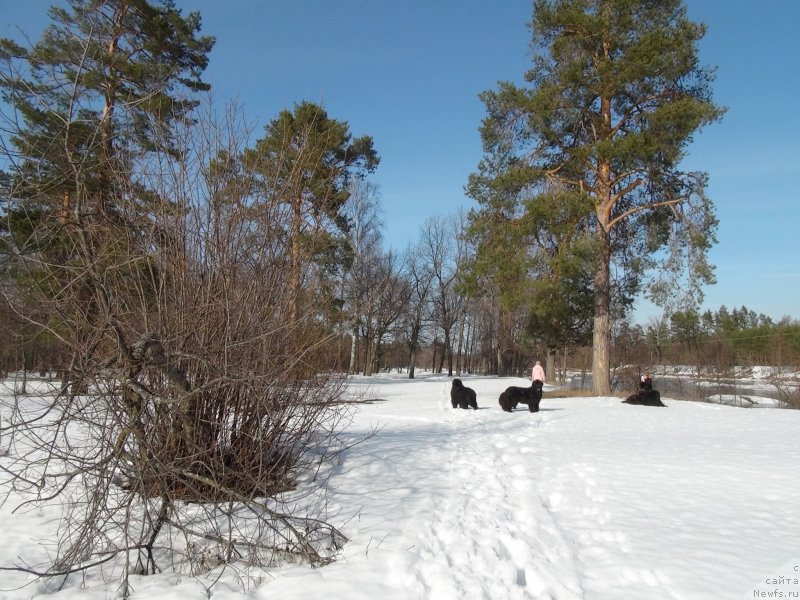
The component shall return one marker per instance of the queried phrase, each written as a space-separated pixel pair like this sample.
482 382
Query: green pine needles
588 154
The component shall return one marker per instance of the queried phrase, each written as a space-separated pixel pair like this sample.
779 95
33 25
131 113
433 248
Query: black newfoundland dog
519 395
462 397
645 398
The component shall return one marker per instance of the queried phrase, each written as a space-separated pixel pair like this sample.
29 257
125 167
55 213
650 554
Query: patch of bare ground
565 393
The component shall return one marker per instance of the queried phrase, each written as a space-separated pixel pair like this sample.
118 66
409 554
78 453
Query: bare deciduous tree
386 301
364 216
443 248
418 316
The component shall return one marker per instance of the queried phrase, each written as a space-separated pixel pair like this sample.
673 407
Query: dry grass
565 393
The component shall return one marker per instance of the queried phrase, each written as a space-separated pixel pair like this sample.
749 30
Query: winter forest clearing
587 499
199 308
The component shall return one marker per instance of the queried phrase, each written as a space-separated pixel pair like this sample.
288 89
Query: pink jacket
537 373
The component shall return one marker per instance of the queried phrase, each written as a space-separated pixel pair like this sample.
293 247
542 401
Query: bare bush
787 386
195 418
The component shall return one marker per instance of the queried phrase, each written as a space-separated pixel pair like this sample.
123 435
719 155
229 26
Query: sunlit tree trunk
601 383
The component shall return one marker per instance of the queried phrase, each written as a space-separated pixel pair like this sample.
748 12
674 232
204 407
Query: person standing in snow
645 384
538 372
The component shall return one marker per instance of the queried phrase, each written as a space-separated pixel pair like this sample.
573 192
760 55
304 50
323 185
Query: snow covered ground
589 498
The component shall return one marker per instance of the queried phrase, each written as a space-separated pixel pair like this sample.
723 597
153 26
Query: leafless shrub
787 386
626 379
196 419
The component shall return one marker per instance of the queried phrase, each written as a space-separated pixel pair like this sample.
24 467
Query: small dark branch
75 569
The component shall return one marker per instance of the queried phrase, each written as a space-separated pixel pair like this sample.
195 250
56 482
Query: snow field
587 499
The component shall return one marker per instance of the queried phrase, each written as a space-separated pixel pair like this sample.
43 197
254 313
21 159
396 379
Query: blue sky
409 74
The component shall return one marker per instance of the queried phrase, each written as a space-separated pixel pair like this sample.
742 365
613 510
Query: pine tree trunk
550 365
601 382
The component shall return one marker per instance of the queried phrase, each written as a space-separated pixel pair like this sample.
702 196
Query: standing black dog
462 397
645 398
519 395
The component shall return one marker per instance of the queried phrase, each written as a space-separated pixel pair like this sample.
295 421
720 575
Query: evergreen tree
502 268
306 162
103 87
532 259
561 297
614 97
90 104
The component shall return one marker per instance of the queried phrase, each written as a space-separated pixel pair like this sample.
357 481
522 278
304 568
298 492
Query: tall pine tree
103 87
611 103
306 161
89 107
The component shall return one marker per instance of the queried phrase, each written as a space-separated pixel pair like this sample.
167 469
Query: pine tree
613 99
90 106
103 87
308 159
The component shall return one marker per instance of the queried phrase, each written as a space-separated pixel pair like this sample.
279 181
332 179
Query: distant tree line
723 339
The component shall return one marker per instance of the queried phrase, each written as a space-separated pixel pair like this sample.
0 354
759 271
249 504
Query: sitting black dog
519 395
645 398
462 396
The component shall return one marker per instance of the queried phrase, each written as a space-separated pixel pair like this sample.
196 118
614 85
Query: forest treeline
415 316
713 341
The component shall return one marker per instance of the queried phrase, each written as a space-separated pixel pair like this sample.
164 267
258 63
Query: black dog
519 395
645 398
462 397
